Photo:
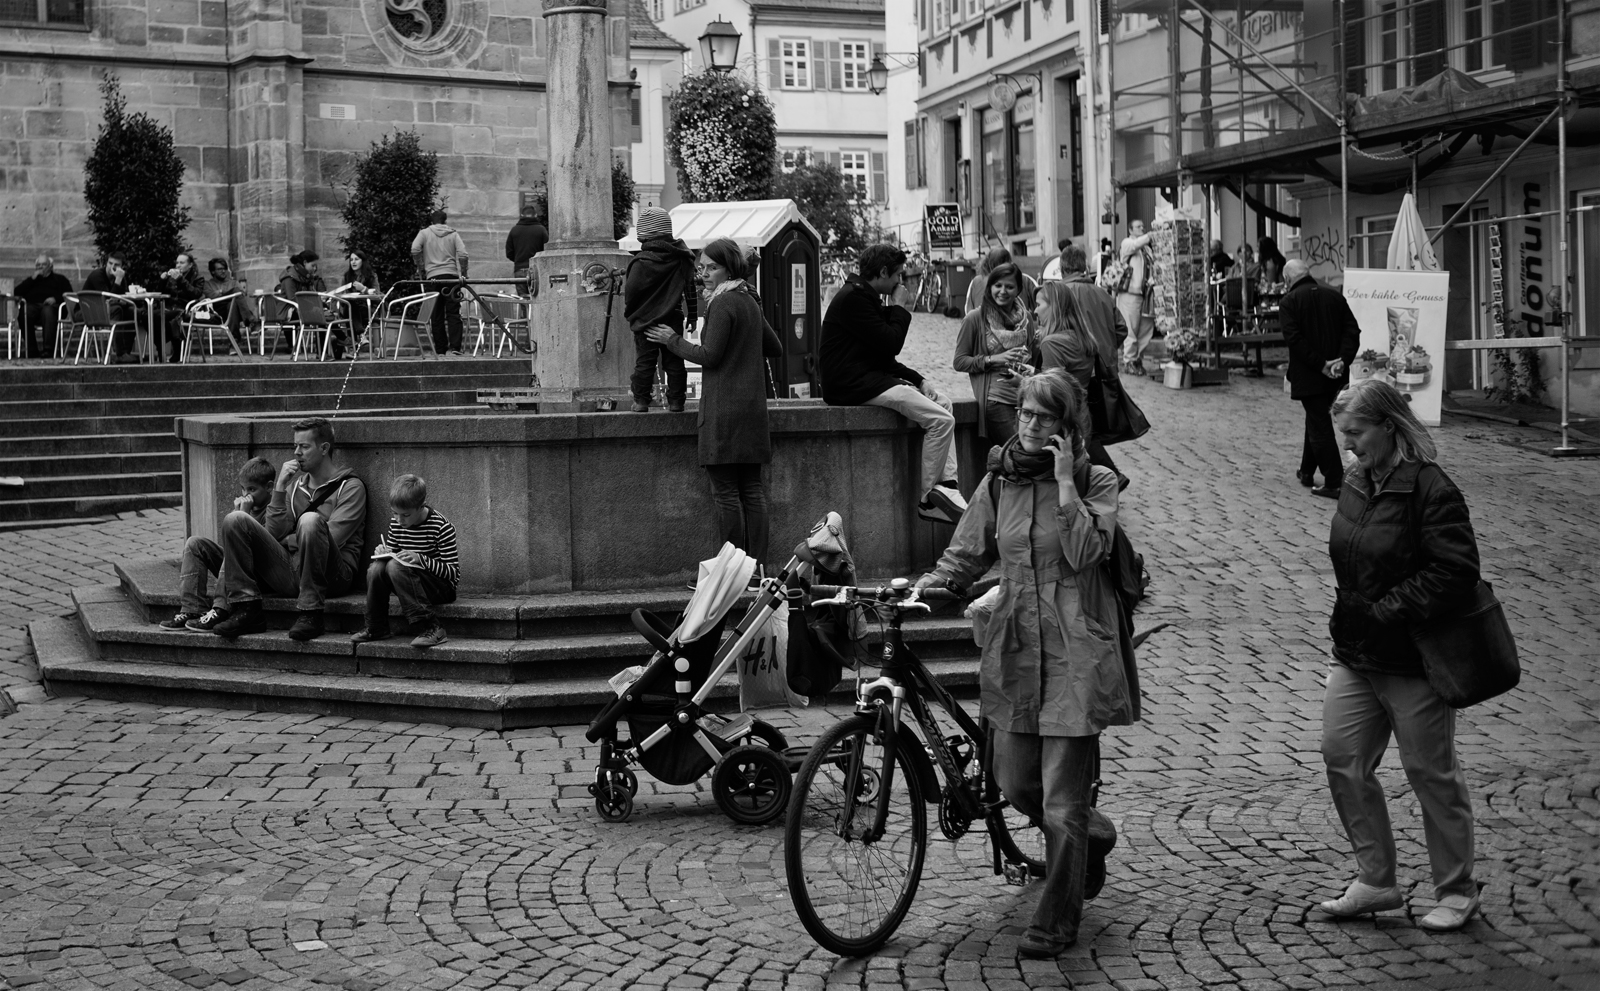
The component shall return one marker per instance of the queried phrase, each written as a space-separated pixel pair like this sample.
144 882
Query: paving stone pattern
149 847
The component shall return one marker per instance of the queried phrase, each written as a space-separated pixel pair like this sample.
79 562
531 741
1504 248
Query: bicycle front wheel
850 888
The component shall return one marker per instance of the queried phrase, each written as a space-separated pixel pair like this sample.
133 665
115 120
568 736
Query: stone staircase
92 440
511 661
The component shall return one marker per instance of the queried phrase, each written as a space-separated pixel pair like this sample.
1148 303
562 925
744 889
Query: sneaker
369 634
179 621
307 626
947 497
248 618
208 622
933 513
1363 899
433 636
456 353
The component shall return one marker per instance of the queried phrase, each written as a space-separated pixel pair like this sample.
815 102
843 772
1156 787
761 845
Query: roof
827 6
643 33
751 223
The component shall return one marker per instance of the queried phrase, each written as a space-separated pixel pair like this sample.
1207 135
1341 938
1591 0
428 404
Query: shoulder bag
1116 417
1470 655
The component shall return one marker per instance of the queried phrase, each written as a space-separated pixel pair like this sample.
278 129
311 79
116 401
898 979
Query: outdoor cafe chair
11 326
315 319
210 315
277 314
96 315
509 310
412 314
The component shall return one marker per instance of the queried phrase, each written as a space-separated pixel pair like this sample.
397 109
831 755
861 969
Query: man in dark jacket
1322 336
40 295
659 290
861 339
112 277
526 239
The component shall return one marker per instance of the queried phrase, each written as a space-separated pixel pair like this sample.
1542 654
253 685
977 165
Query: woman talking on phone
1054 672
994 345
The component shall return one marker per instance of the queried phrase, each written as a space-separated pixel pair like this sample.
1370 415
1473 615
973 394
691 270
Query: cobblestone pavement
147 847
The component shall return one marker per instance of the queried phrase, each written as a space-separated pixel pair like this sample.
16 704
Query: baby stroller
673 737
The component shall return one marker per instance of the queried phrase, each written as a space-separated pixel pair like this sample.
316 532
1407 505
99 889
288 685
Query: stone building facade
270 102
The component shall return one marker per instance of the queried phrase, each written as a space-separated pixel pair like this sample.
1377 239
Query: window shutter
835 66
1531 46
835 161
774 64
922 152
1355 51
1428 34
819 65
880 192
877 49
911 154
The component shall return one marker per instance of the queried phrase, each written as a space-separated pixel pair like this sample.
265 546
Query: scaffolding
1224 133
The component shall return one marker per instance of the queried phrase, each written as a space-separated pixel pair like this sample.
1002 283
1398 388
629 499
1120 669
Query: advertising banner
1402 316
943 221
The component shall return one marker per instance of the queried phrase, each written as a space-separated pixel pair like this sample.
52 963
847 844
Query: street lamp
877 75
719 46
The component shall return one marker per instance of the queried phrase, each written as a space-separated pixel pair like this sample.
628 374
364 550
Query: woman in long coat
734 440
1056 656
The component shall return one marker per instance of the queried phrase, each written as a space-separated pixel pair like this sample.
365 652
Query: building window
974 9
1024 185
42 12
658 10
684 5
856 175
635 116
795 58
1476 16
996 180
1393 28
1374 251
792 158
856 60
941 16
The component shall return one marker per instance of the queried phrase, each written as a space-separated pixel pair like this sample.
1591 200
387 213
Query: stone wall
243 84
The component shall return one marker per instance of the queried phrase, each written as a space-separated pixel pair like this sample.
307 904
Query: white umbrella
1409 249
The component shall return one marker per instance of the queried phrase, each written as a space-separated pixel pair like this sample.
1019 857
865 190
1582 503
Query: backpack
1124 566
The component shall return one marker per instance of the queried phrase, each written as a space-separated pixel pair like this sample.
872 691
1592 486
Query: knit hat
653 222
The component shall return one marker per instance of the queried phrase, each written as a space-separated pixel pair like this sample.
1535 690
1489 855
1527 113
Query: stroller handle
893 592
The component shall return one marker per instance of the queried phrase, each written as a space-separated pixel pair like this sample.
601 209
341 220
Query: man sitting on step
310 545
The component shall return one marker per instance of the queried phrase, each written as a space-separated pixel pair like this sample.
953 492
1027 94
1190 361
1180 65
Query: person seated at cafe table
40 296
360 277
183 284
219 283
301 275
112 277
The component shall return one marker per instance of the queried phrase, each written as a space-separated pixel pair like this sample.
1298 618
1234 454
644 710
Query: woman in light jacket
994 342
734 441
1403 553
1057 660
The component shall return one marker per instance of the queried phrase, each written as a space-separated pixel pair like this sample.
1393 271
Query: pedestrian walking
441 257
1056 653
1322 336
1403 553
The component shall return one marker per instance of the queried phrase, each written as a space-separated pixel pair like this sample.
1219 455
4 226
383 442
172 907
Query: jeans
938 443
1321 447
201 556
1140 327
741 502
257 564
446 321
1049 780
416 589
1000 420
644 371
43 316
1359 713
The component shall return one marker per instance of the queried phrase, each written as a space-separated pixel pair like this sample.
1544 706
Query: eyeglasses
1025 415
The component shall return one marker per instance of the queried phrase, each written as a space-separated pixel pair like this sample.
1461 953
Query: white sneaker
1454 911
1363 899
946 497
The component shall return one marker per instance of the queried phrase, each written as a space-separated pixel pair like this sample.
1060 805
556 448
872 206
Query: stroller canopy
722 580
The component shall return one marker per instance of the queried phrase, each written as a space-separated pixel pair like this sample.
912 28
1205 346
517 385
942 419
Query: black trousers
446 323
644 371
741 502
1321 447
44 318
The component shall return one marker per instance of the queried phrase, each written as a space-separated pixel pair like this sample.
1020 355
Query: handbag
1113 413
1470 655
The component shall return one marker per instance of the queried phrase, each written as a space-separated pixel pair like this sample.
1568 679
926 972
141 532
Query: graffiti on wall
1323 251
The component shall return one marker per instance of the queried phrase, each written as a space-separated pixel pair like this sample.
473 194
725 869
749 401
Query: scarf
731 284
1012 463
1003 322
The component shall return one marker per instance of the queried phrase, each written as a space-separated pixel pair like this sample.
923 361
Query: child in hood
659 290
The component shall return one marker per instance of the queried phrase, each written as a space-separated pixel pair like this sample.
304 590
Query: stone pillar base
577 362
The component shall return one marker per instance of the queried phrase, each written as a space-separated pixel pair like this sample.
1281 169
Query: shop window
1023 178
996 179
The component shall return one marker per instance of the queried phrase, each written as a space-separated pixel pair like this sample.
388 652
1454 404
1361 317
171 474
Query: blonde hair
408 492
1059 395
1376 401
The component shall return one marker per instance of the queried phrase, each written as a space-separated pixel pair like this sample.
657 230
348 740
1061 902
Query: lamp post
877 75
719 46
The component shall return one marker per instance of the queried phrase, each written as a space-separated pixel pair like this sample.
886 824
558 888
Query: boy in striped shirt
415 558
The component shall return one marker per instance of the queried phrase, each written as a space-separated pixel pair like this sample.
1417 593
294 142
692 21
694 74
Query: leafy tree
818 190
133 187
395 189
623 197
723 138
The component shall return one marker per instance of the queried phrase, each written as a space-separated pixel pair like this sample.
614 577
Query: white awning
750 223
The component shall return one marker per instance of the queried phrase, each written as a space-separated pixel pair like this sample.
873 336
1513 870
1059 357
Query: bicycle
857 826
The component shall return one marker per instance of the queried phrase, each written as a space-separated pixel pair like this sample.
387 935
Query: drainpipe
1561 193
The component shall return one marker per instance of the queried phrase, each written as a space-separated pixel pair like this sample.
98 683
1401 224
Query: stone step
59 376
91 486
170 407
84 507
92 444
32 467
202 390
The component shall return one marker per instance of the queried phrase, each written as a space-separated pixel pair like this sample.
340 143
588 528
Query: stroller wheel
751 784
613 801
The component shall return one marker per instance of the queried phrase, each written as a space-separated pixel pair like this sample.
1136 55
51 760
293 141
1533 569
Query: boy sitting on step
415 558
201 555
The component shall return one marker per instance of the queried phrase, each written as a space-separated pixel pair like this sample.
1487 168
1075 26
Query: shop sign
797 288
993 120
943 223
1402 317
1023 111
1525 317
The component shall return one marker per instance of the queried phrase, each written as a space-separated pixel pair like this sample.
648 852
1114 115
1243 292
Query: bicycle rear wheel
851 895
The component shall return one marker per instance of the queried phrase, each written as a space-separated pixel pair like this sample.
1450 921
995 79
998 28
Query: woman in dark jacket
1403 553
734 442
995 346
